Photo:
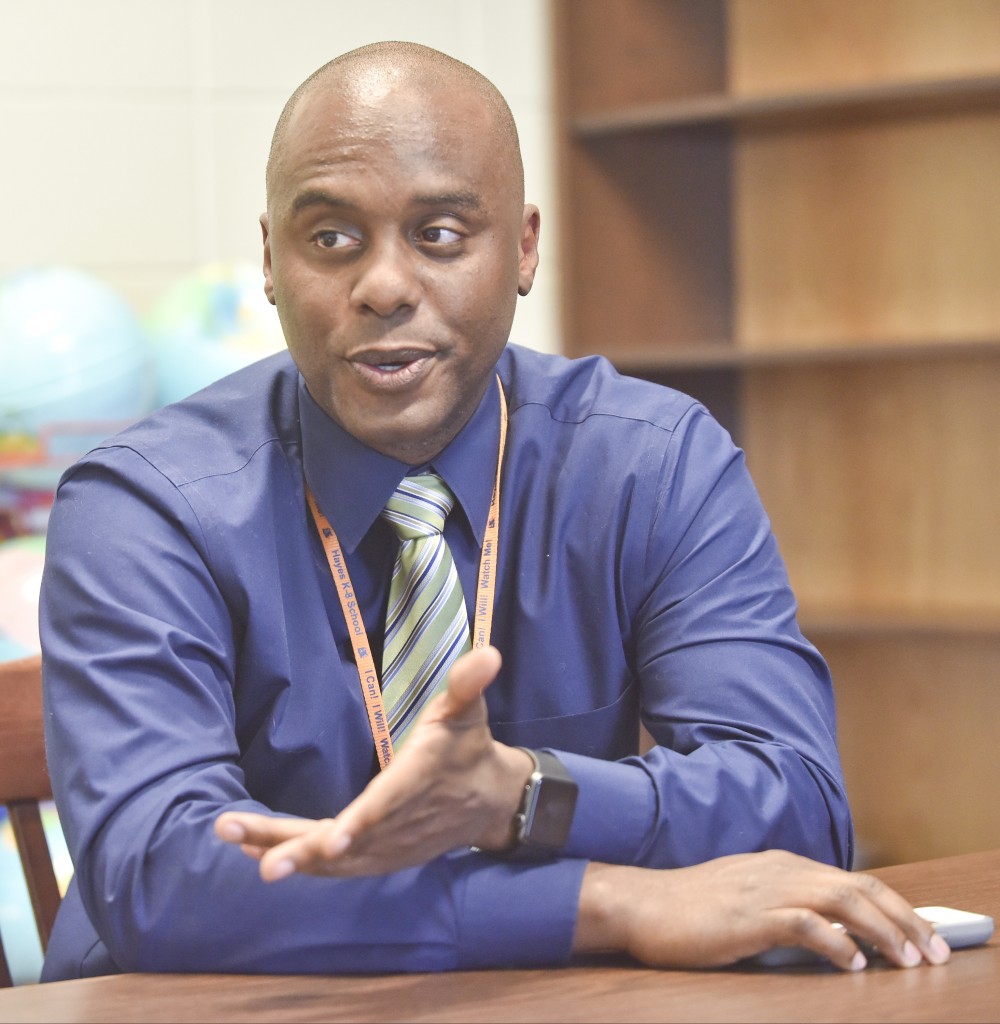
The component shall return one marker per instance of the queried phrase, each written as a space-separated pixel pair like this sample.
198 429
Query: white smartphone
959 928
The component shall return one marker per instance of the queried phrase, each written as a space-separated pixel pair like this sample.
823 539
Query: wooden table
967 989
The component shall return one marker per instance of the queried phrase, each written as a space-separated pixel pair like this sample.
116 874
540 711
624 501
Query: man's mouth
393 369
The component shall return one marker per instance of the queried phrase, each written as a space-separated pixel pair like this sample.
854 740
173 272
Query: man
221 578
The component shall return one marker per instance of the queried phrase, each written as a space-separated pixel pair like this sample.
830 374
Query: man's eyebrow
317 197
464 199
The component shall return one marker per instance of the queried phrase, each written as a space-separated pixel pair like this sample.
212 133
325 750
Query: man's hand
722 911
451 785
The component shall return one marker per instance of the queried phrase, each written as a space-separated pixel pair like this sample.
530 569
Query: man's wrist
601 923
541 826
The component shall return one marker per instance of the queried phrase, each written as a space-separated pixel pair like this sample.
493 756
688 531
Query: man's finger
467 679
247 828
311 853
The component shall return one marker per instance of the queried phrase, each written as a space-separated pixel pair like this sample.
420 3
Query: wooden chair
24 781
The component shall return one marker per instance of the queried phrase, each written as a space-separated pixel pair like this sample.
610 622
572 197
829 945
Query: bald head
396 242
376 72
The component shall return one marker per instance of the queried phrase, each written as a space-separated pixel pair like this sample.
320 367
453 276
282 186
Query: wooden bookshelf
791 209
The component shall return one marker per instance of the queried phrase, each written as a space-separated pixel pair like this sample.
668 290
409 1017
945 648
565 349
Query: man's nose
387 278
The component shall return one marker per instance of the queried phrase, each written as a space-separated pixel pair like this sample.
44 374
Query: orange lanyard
485 593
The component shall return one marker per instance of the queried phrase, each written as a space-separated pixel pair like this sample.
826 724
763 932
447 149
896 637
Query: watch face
549 813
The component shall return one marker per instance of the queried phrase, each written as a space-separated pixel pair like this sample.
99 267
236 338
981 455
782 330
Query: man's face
395 244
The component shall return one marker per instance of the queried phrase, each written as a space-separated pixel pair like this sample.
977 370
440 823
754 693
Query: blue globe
208 325
74 368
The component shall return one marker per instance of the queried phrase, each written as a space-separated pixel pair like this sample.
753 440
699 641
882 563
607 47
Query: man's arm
725 910
739 703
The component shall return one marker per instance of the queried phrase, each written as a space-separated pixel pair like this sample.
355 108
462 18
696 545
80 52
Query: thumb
467 679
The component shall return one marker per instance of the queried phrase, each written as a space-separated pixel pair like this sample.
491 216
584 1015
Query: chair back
24 782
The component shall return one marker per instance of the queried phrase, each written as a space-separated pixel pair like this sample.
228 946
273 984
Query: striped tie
427 625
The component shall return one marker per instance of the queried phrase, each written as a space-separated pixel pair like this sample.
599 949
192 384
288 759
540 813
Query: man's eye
334 240
440 236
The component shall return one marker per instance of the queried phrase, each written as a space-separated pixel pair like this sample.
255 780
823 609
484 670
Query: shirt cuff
616 810
517 914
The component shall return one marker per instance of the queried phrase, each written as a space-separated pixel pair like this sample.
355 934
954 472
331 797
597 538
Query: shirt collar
352 482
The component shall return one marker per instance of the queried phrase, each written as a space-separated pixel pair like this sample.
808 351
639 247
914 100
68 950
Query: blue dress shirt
197 659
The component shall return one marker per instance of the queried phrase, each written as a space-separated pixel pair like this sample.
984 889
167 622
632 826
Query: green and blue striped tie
427 625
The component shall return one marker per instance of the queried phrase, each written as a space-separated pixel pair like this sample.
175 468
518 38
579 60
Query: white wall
133 133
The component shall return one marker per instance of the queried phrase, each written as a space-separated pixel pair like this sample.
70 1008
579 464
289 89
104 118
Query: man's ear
268 283
528 260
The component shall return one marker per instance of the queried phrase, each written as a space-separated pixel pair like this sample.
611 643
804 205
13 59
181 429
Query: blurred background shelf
790 209
885 99
947 624
718 355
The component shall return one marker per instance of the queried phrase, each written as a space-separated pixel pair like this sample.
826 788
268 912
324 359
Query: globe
74 368
208 325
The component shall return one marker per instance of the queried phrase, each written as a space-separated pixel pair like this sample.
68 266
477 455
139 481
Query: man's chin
413 444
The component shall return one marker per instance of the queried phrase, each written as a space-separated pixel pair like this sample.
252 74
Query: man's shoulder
217 430
573 390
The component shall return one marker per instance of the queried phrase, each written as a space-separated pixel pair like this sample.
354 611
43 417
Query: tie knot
418 506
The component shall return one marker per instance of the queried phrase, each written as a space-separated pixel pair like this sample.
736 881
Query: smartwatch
542 823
